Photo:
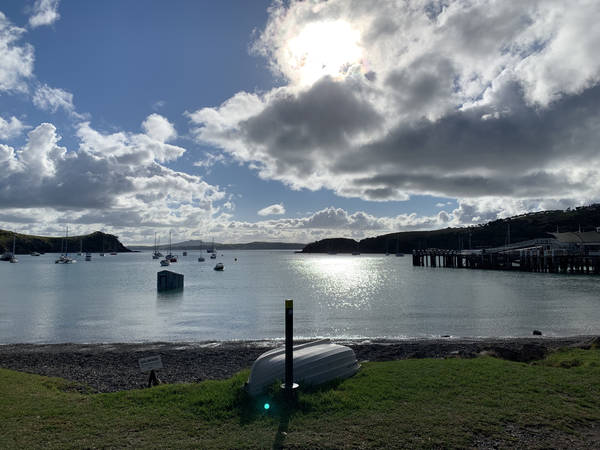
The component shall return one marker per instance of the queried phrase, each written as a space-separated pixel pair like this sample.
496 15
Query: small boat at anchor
314 363
64 258
170 257
219 267
201 259
13 259
156 254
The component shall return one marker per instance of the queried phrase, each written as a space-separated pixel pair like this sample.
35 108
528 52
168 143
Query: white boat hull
314 363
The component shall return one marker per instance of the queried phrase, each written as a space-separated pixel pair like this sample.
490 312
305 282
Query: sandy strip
114 367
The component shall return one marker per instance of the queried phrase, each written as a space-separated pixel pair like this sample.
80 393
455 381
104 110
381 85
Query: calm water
114 299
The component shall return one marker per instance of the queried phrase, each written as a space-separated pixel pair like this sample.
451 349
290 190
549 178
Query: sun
323 48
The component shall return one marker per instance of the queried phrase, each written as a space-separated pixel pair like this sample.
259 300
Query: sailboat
102 254
171 258
13 259
156 254
80 247
213 250
64 258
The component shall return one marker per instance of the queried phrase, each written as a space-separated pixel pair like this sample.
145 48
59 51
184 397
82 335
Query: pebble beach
114 367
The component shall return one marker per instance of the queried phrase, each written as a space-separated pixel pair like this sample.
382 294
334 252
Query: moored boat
314 363
170 257
64 258
156 254
13 259
219 267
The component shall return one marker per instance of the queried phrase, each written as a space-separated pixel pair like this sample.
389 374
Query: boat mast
67 242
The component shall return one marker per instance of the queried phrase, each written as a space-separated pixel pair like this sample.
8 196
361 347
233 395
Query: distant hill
492 234
201 245
95 242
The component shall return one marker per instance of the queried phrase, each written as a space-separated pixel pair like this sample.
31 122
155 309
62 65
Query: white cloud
159 128
210 159
44 12
134 148
456 99
159 104
16 61
111 179
272 210
11 128
52 99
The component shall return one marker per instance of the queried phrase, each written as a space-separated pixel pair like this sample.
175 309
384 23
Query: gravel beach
114 367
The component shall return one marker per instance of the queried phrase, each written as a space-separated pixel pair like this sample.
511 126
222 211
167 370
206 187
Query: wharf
524 260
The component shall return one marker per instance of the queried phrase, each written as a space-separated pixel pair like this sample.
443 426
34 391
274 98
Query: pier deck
526 260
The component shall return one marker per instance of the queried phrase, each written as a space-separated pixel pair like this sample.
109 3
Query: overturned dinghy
314 363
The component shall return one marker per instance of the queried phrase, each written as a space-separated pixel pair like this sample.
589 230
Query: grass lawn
409 403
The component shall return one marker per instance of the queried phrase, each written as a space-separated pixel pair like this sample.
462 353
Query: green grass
412 403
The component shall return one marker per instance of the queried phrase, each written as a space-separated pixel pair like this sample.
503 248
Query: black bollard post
289 385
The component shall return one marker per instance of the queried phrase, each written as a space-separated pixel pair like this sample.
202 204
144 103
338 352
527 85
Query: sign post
150 364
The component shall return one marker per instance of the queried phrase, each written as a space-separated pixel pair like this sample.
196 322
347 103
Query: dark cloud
325 117
526 139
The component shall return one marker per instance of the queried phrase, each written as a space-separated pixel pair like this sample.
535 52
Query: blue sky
292 121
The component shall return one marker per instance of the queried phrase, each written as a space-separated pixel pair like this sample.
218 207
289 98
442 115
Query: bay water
114 299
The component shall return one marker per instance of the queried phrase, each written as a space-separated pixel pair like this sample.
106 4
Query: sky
294 121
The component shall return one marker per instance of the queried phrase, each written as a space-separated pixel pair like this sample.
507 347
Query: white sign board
150 363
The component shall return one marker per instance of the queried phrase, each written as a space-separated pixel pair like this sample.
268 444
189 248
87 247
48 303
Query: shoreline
111 367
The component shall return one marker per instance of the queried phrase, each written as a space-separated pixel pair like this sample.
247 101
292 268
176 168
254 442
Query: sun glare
324 48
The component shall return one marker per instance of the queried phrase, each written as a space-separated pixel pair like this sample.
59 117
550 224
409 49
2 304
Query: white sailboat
64 258
13 259
170 257
213 251
155 254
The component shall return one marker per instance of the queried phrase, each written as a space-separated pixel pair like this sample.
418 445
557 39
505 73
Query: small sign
150 363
